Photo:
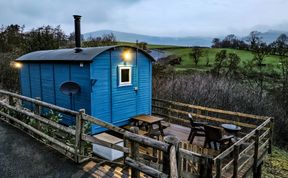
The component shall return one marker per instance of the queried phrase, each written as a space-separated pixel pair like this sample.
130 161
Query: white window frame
120 68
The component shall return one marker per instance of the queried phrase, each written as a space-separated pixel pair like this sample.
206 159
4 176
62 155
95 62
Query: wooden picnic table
148 122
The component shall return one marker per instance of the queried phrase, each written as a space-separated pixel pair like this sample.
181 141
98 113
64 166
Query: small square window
125 75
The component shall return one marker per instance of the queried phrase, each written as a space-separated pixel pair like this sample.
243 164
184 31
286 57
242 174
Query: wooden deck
145 155
108 170
182 133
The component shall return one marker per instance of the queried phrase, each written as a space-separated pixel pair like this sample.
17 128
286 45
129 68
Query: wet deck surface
23 156
182 133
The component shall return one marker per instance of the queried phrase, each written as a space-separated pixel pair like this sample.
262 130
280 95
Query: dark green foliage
44 38
105 40
11 38
230 41
14 43
219 61
196 54
226 63
8 74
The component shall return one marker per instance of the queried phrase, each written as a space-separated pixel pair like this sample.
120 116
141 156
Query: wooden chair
215 138
197 129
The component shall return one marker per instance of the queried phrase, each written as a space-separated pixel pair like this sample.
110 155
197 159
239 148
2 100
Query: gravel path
21 156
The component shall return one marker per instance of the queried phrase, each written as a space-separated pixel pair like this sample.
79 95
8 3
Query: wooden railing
71 141
174 161
243 156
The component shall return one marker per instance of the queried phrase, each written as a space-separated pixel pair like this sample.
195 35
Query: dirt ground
21 156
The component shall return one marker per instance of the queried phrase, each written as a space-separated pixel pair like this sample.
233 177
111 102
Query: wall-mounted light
126 55
16 65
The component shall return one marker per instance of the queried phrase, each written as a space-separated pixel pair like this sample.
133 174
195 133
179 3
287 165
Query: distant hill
132 37
270 35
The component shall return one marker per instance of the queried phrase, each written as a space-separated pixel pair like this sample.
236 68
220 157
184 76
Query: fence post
235 162
169 112
173 141
10 100
218 168
135 153
206 168
11 103
258 171
256 147
78 134
271 136
37 111
198 111
37 108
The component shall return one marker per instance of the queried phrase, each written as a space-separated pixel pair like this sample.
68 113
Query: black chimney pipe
77 31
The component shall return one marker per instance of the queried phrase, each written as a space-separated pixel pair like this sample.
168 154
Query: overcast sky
151 17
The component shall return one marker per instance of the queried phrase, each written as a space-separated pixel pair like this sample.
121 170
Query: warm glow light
126 55
17 65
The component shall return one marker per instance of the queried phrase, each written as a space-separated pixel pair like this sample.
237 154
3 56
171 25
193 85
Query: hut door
124 100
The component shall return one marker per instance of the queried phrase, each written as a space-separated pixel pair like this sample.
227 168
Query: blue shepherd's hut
112 83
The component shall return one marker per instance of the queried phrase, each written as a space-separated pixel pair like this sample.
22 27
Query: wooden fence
71 141
242 157
174 161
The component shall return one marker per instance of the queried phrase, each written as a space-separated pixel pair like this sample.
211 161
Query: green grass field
271 61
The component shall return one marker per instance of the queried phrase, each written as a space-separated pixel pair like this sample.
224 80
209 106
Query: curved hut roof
72 54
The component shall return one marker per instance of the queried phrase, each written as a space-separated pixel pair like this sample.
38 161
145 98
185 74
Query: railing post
169 111
206 168
256 147
78 134
271 136
37 111
258 171
218 168
37 108
135 153
11 103
235 162
173 141
198 111
10 100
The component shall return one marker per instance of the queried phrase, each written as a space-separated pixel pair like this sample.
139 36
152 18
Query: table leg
161 129
149 129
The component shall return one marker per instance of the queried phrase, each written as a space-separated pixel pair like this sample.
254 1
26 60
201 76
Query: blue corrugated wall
44 80
116 104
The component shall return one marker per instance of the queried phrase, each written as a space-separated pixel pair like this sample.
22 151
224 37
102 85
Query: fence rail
70 140
174 158
244 155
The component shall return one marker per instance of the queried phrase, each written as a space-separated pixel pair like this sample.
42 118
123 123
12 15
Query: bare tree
260 50
196 54
219 61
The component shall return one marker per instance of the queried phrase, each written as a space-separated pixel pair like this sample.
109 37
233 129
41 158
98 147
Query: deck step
108 171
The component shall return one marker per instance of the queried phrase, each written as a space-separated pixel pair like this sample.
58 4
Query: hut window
125 74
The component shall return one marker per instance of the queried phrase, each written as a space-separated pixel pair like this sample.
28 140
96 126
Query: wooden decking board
182 133
108 171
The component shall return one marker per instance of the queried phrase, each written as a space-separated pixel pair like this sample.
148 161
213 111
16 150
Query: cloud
153 17
35 13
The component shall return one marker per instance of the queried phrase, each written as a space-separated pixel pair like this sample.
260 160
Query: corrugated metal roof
87 54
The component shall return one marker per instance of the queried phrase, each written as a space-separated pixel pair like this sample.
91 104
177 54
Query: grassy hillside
271 61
